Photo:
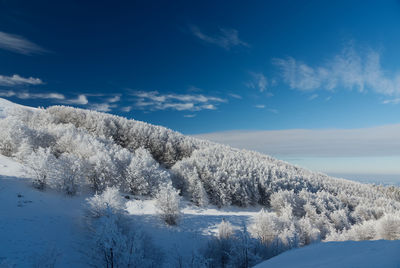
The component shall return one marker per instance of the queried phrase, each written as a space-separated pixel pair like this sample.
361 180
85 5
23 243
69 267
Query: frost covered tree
246 250
110 200
225 230
144 174
115 242
167 203
42 166
219 249
71 173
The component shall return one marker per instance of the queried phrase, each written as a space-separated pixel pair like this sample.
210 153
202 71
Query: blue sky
211 67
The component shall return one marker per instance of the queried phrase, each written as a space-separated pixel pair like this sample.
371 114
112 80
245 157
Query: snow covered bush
389 227
225 230
71 173
276 233
115 243
246 250
233 248
167 203
42 166
108 201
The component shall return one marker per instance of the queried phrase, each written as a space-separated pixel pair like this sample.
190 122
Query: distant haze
368 154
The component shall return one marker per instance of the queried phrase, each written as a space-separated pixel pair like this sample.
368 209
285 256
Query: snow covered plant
115 242
117 246
109 200
233 248
225 230
144 174
167 203
42 167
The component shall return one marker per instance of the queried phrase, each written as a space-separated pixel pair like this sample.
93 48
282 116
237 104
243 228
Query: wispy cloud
189 115
17 80
313 97
80 100
349 69
259 81
236 96
19 44
102 107
392 101
114 99
126 109
28 95
260 106
154 100
274 111
226 38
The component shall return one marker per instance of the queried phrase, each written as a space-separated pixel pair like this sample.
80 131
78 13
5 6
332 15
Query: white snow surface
36 225
348 254
6 106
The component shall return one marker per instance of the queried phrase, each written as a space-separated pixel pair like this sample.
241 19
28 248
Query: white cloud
259 81
28 95
260 106
126 109
274 111
367 142
116 98
17 80
102 107
350 70
226 38
392 101
189 115
154 100
236 96
80 100
313 96
19 44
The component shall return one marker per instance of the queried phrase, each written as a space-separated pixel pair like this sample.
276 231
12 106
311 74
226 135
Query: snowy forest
78 152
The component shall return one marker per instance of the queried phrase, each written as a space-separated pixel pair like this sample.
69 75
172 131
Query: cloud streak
28 95
17 80
259 81
376 141
19 44
80 100
226 38
154 101
349 69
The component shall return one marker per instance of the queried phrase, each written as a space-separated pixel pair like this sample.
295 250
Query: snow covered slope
37 228
349 254
6 106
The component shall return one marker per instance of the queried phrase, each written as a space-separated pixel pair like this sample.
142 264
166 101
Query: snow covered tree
167 203
225 230
144 174
42 165
389 227
71 173
109 200
246 250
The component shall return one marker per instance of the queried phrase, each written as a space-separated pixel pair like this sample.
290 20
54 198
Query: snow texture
349 254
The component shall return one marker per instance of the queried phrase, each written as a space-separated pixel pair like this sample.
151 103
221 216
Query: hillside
366 254
202 204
